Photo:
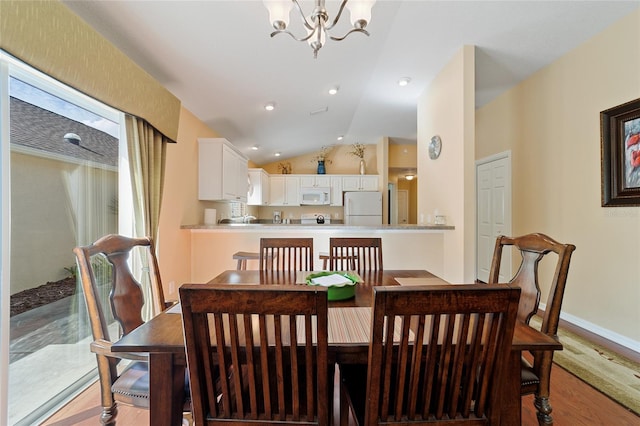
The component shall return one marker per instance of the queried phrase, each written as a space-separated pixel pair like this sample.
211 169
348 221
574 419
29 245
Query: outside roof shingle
37 128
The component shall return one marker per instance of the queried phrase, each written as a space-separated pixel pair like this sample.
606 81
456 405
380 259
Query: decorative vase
321 169
363 166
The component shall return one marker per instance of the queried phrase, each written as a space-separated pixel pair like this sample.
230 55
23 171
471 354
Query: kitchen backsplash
226 210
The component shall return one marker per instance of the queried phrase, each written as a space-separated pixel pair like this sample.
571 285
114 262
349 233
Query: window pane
64 193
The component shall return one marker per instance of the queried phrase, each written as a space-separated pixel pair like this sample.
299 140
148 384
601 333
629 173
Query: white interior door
493 180
403 206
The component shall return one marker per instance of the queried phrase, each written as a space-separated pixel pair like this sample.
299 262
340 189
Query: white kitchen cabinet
360 183
222 171
258 194
284 190
315 181
336 190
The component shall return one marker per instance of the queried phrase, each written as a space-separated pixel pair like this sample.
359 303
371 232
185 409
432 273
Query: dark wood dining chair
114 300
252 356
286 254
418 371
355 254
536 377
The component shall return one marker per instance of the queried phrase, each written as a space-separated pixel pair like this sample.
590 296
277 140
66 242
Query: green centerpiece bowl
337 292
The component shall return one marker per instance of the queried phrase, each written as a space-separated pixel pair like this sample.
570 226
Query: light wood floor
574 403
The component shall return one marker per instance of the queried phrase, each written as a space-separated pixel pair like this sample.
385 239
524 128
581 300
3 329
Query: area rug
610 373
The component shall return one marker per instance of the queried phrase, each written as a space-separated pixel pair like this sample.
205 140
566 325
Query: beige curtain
147 151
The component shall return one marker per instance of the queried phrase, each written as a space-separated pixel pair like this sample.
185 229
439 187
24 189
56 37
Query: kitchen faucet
248 218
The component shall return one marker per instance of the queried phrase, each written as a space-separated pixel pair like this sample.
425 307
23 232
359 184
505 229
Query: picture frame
620 155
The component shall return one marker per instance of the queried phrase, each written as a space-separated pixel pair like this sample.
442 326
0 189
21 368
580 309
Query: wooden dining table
349 324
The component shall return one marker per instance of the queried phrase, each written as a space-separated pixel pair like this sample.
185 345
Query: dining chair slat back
424 373
114 296
355 254
286 254
256 354
533 248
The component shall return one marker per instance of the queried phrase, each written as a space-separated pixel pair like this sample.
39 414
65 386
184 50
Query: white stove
315 219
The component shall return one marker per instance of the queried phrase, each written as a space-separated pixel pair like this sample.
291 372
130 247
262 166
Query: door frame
392 206
505 266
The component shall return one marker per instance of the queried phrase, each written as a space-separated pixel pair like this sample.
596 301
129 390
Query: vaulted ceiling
218 58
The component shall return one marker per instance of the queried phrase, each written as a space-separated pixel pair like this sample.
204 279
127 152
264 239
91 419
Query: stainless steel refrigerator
363 208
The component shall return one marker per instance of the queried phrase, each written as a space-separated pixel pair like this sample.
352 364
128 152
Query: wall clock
435 146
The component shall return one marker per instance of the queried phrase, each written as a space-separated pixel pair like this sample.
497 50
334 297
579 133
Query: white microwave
314 196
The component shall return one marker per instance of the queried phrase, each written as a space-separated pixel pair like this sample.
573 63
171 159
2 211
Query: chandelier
316 22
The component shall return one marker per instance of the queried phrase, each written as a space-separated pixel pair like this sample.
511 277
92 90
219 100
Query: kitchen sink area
305 219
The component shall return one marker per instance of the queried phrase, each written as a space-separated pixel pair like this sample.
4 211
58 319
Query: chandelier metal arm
337 18
292 35
355 30
304 18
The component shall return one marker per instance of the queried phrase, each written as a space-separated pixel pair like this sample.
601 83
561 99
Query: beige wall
180 205
447 184
45 195
550 122
341 162
212 250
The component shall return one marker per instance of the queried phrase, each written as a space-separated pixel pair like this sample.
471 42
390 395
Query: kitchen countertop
341 226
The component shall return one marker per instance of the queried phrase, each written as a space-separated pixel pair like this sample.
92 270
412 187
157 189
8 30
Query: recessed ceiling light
277 154
404 81
270 106
255 147
319 111
340 138
334 90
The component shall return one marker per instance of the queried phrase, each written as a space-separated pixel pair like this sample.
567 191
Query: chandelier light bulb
360 11
279 12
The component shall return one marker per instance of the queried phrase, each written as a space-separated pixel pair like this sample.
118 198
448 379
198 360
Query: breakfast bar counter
404 246
223 227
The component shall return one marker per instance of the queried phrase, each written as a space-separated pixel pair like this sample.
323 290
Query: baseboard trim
613 341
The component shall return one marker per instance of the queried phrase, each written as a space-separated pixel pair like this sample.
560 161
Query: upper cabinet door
284 190
258 194
314 181
336 190
369 183
222 171
360 183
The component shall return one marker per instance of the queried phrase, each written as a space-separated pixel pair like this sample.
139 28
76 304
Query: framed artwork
620 150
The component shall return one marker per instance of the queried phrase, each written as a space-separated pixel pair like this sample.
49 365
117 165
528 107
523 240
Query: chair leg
108 416
544 410
345 403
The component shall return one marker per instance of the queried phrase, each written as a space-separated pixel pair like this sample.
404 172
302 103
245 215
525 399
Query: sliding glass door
65 153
